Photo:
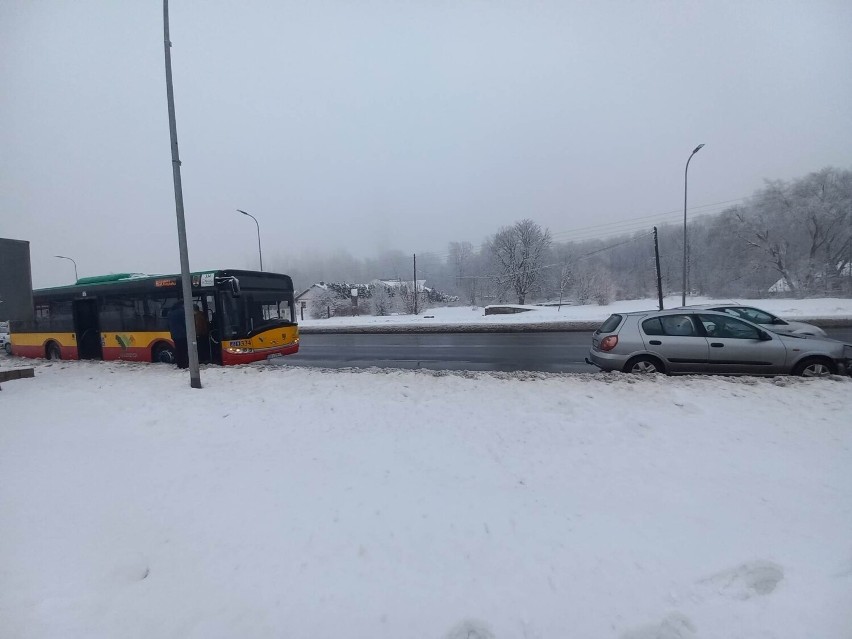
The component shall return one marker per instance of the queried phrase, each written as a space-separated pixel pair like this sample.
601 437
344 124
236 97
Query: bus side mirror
233 284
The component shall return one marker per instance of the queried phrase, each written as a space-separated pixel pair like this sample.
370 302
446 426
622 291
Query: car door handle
655 342
717 345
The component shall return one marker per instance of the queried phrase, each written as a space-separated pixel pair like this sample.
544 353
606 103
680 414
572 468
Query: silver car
765 319
704 341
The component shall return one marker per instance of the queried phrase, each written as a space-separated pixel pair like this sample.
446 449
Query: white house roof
322 286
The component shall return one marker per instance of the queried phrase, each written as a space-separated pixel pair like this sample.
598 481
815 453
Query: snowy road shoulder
396 503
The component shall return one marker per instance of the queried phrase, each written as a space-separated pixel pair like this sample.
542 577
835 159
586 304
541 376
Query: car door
678 340
740 347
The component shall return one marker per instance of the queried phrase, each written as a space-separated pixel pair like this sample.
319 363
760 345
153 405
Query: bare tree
803 229
518 251
381 300
406 293
460 257
323 305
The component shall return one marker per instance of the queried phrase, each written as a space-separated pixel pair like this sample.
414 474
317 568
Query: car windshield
750 314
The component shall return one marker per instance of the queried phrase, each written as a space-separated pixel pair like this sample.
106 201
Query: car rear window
611 324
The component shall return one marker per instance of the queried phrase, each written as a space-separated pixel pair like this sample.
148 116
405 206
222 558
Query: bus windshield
253 311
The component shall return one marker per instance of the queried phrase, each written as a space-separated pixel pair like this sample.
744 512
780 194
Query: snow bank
305 503
461 317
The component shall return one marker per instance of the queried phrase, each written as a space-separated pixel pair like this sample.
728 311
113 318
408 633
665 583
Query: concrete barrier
16 373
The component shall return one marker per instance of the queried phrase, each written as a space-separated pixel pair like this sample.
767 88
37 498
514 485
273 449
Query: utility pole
185 277
657 260
415 283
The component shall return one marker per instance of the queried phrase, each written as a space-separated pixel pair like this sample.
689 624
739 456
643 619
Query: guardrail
489 327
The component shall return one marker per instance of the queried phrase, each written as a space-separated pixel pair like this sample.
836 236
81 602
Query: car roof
716 305
674 311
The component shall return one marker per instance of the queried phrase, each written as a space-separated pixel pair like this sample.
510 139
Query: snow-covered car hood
798 328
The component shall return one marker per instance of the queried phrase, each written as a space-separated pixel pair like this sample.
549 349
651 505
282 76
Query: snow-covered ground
822 308
283 502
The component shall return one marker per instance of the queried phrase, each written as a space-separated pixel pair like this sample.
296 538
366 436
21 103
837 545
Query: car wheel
8 348
644 365
815 367
53 351
164 354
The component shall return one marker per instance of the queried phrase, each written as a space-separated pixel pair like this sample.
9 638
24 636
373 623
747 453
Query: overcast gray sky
364 126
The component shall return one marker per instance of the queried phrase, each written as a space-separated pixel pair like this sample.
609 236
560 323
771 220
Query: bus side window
61 316
110 314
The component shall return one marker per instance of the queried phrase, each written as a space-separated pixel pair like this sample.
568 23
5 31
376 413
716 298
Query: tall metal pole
185 277
62 257
657 261
415 283
259 251
685 172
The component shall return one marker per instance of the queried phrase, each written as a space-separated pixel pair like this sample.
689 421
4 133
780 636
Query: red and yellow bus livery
240 317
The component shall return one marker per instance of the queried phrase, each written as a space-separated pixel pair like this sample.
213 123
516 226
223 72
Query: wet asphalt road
547 352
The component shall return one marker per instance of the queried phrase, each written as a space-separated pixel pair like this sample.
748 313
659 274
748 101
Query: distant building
844 271
780 286
309 295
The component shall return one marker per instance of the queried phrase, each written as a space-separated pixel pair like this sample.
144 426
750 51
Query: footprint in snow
470 629
675 626
751 579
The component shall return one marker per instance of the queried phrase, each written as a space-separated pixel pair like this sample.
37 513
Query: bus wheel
163 354
53 351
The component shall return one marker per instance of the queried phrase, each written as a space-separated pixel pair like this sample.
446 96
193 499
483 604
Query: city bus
247 316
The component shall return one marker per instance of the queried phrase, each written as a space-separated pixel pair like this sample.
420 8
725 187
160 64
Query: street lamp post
62 257
185 275
259 251
685 173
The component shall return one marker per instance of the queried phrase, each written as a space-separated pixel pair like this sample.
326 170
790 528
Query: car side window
678 325
652 326
729 327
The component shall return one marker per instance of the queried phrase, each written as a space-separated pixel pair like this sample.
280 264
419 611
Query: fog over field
358 129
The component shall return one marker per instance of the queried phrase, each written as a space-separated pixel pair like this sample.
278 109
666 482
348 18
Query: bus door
87 328
209 338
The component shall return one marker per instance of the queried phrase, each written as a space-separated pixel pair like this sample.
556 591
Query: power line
545 266
607 229
642 219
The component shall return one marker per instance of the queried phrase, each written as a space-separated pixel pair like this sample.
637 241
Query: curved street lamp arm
259 250
62 257
685 173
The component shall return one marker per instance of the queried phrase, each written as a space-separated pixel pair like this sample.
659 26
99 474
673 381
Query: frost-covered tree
803 229
381 300
518 252
322 305
409 299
